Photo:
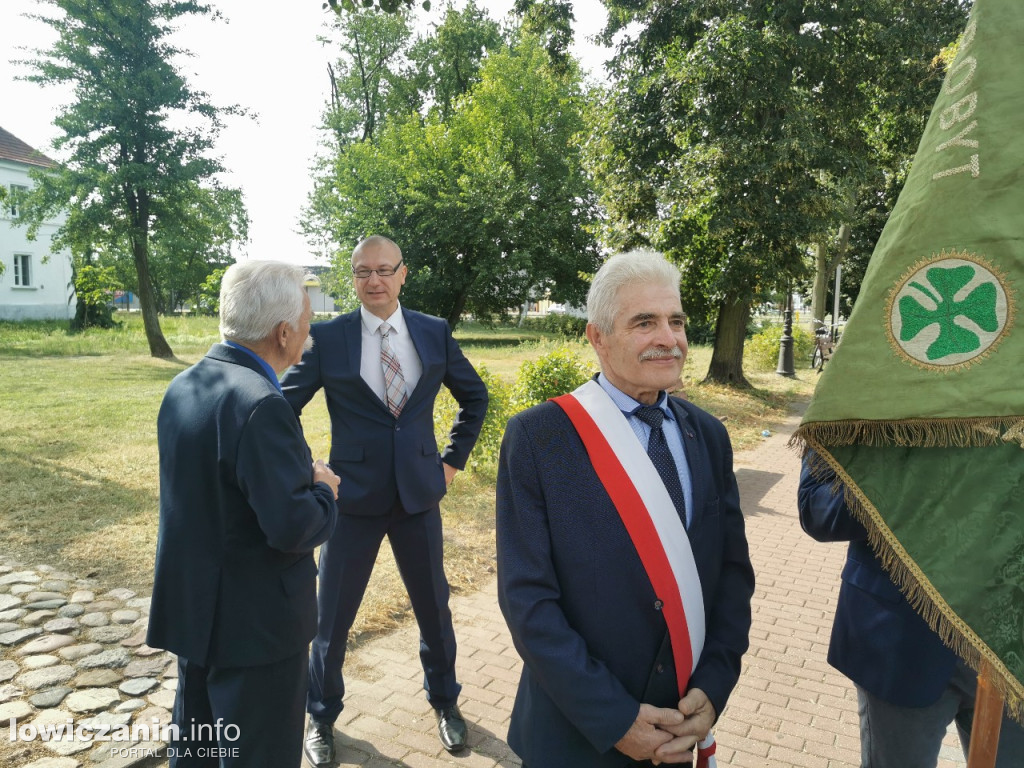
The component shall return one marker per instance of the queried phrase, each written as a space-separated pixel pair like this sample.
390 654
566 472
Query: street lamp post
786 342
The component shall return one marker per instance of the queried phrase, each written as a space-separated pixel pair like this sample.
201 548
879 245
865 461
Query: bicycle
824 345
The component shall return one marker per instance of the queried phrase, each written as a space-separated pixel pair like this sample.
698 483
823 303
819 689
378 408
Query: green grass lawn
79 478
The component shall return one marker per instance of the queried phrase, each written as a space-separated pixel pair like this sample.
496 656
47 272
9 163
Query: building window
22 270
17 190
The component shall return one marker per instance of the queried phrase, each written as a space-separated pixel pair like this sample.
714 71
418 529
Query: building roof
13 148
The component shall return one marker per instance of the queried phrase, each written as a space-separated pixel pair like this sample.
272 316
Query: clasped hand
322 473
664 735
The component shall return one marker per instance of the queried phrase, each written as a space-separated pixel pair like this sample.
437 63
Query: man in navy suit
242 506
910 686
381 368
600 685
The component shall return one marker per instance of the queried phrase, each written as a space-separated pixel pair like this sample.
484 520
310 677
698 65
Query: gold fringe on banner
918 433
913 583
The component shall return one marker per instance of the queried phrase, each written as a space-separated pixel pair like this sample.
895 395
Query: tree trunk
825 268
727 356
158 346
455 313
820 290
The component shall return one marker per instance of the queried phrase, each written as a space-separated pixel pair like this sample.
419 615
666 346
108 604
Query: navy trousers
245 717
346 562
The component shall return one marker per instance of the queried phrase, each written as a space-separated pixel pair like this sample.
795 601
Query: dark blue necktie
661 456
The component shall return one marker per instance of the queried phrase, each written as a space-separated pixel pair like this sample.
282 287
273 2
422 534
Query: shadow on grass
83 522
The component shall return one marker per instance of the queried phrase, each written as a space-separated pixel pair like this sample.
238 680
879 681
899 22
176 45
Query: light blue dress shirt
266 366
642 430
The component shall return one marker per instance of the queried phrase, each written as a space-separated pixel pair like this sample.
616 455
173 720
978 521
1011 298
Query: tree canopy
139 178
734 131
483 189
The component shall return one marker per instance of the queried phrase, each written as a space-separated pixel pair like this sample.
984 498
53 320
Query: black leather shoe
318 747
451 728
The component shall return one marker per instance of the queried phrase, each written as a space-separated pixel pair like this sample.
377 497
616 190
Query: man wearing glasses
381 367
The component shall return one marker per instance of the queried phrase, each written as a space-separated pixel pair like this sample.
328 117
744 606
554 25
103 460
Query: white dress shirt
401 344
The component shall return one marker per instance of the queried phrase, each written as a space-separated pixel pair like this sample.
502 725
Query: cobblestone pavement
75 659
68 653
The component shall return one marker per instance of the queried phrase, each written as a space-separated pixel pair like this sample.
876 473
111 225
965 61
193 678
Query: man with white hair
623 568
242 506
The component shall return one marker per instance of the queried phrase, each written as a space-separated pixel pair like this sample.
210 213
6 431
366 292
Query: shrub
500 409
94 285
761 350
564 325
550 375
567 326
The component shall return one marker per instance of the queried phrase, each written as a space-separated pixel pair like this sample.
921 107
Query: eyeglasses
362 273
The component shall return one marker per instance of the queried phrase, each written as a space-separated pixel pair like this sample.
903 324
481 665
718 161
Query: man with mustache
623 567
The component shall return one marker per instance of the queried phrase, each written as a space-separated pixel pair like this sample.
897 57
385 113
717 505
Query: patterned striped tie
394 382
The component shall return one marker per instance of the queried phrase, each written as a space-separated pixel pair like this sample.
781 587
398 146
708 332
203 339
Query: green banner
920 409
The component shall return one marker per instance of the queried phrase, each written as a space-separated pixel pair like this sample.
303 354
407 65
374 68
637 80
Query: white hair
255 296
640 266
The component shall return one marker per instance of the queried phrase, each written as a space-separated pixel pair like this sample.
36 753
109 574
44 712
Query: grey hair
640 266
375 240
255 296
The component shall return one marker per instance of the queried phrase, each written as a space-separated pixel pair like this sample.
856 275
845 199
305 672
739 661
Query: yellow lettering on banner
959 140
954 73
960 75
974 167
958 112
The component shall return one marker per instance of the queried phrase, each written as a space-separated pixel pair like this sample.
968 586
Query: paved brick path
789 709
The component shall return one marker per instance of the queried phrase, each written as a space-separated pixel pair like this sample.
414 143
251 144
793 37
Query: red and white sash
652 521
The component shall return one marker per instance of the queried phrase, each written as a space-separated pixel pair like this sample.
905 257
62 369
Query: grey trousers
910 737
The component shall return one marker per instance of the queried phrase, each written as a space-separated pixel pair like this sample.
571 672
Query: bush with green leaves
567 326
761 351
500 409
94 286
550 375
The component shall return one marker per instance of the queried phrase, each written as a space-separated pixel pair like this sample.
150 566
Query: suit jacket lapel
695 460
421 341
353 329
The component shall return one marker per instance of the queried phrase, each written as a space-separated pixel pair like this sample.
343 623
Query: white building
35 284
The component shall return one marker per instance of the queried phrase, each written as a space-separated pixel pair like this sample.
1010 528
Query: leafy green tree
894 61
199 239
342 7
94 288
367 83
446 64
490 207
137 138
208 298
733 138
550 20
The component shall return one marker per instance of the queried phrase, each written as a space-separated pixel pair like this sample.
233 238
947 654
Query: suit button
398 429
660 668
658 605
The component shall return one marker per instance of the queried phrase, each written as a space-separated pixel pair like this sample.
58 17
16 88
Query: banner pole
988 719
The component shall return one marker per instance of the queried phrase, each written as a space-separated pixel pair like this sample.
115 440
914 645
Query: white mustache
660 353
